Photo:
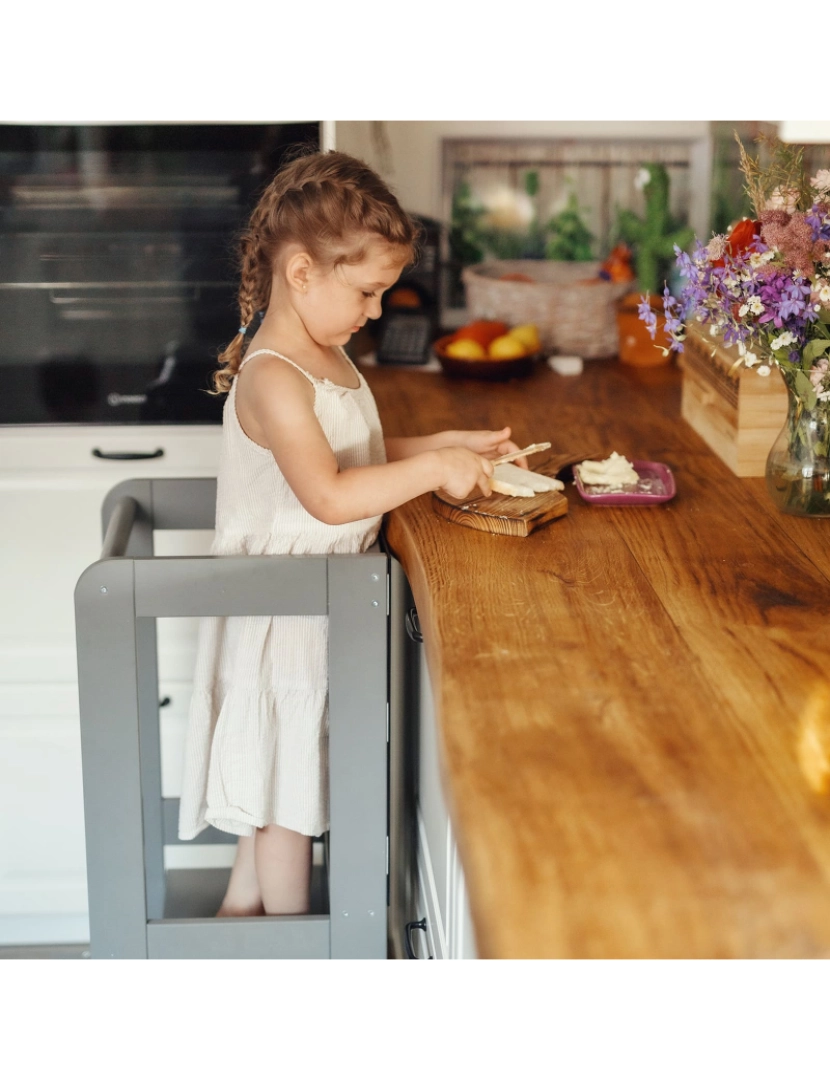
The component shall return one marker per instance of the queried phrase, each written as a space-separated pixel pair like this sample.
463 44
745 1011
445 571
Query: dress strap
273 352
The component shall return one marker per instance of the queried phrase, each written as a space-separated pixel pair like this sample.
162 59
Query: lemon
465 349
528 334
507 347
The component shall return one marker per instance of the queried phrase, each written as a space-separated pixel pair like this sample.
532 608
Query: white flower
821 181
750 359
641 179
507 209
753 305
757 259
764 370
822 289
782 341
783 200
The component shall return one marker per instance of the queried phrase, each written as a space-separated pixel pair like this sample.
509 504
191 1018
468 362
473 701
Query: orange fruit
481 330
528 335
465 349
506 348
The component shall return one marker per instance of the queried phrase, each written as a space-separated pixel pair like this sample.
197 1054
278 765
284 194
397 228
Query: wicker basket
574 310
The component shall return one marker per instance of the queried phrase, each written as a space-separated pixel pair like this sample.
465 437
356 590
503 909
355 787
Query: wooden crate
737 413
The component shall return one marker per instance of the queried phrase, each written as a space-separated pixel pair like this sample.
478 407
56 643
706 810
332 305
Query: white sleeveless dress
257 743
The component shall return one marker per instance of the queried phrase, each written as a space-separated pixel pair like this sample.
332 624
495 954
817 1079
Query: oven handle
122 295
127 456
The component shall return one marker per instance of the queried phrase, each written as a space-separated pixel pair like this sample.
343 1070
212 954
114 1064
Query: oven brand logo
126 399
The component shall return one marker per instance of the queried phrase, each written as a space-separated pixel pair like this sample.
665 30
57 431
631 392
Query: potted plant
569 238
652 239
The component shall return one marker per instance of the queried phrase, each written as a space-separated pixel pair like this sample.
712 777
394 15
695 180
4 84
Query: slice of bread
509 479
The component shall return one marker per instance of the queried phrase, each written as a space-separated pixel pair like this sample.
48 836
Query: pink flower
818 371
792 236
821 181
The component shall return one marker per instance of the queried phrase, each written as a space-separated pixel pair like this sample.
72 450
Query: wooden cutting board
505 514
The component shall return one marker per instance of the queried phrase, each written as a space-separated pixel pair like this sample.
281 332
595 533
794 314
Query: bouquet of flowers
765 288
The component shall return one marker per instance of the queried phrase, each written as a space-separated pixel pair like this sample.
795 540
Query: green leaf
804 389
814 349
532 183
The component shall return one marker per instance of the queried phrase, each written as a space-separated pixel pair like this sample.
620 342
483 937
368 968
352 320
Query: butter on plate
614 471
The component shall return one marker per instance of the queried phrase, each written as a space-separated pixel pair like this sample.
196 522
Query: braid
332 204
254 293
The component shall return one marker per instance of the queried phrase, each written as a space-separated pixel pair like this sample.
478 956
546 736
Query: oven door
117 264
112 327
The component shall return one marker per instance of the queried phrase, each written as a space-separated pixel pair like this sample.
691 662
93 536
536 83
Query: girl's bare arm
282 403
489 444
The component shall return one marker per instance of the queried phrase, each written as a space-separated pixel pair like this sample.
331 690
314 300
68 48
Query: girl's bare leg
243 896
283 869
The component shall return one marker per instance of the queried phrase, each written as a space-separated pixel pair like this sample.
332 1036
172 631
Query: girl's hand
492 444
463 471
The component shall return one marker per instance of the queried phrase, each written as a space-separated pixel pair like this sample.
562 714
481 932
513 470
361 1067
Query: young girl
304 469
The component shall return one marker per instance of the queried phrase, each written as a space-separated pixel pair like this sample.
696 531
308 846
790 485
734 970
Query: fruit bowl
489 368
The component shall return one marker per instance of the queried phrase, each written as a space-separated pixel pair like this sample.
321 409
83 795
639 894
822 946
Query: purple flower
795 299
819 221
647 315
685 267
734 333
785 299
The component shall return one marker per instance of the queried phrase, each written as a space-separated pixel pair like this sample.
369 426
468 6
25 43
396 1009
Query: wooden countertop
633 703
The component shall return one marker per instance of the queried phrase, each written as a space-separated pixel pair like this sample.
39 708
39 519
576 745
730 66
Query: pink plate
656 485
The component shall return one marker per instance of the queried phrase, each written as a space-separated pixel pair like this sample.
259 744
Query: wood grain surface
634 703
503 514
509 516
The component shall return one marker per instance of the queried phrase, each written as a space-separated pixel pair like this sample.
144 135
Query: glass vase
798 466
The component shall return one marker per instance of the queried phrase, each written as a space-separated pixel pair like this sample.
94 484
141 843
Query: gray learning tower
135 908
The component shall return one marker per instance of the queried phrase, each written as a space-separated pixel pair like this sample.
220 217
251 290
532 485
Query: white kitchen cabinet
427 889
442 891
51 491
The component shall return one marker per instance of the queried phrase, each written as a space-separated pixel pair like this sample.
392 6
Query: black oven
117 265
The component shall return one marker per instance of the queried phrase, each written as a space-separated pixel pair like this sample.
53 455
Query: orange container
636 345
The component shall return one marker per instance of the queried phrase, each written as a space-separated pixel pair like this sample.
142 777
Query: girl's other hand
492 444
464 471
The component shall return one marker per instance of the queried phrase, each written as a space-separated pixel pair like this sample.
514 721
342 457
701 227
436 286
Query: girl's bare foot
228 912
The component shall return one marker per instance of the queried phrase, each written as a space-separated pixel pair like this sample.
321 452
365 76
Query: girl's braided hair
333 205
